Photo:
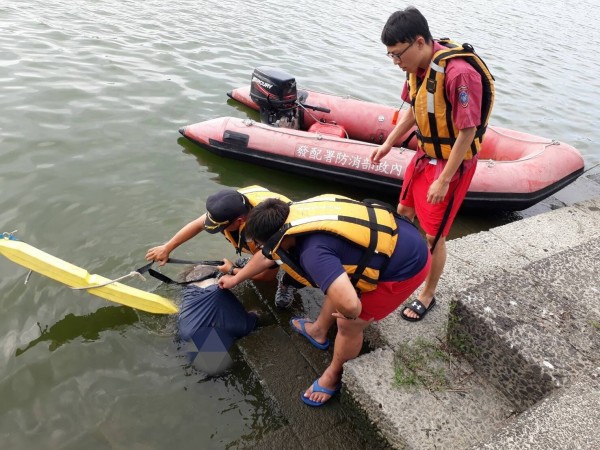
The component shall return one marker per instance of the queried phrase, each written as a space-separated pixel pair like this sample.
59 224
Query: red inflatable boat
332 137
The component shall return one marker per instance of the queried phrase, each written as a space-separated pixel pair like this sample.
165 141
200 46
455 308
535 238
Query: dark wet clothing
204 310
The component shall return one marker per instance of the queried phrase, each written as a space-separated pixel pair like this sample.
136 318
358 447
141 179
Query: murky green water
92 170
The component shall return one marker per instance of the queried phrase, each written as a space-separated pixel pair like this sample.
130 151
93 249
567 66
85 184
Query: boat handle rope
134 273
130 274
10 236
346 96
318 136
148 268
552 142
493 162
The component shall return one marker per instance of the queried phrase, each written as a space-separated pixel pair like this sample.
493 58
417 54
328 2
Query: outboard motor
275 92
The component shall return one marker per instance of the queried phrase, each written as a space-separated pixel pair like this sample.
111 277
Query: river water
93 170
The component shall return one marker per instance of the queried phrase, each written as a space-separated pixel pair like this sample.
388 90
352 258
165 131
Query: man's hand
159 254
352 313
379 153
439 188
437 191
339 315
228 282
226 267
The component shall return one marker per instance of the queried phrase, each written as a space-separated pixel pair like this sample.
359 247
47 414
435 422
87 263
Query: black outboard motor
275 92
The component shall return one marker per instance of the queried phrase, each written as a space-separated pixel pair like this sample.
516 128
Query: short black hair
265 219
404 26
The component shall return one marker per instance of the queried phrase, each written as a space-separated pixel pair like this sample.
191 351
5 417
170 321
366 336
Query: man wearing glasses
451 93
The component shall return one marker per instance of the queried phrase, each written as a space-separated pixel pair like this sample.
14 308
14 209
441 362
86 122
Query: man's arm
343 298
161 252
257 264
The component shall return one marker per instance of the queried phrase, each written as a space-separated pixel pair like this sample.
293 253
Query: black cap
222 208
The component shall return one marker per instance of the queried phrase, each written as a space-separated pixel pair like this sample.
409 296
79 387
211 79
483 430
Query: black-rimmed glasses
398 56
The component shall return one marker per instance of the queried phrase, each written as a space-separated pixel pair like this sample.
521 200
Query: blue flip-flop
302 331
316 387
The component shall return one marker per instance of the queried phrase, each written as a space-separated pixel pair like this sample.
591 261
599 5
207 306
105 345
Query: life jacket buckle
468 47
430 86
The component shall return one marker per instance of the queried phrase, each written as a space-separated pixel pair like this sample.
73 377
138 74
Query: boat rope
28 277
154 273
490 162
10 236
135 273
546 144
317 136
130 274
345 96
552 142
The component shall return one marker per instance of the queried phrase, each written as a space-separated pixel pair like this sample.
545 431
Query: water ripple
92 171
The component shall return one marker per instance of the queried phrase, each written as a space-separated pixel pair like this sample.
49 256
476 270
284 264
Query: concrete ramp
279 361
552 424
523 301
418 417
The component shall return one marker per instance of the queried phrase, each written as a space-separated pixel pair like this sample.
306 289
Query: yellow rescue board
71 275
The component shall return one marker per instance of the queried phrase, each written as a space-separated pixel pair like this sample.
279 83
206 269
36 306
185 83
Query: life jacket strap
293 264
446 216
370 250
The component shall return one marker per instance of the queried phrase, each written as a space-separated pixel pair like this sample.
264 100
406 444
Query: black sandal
419 308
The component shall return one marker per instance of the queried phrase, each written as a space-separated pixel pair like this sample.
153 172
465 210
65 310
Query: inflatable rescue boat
332 137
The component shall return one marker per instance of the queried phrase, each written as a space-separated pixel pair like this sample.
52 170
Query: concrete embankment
523 303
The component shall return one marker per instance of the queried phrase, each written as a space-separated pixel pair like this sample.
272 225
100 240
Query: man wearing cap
226 212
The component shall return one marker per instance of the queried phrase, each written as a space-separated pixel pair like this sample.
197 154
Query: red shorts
389 295
416 185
